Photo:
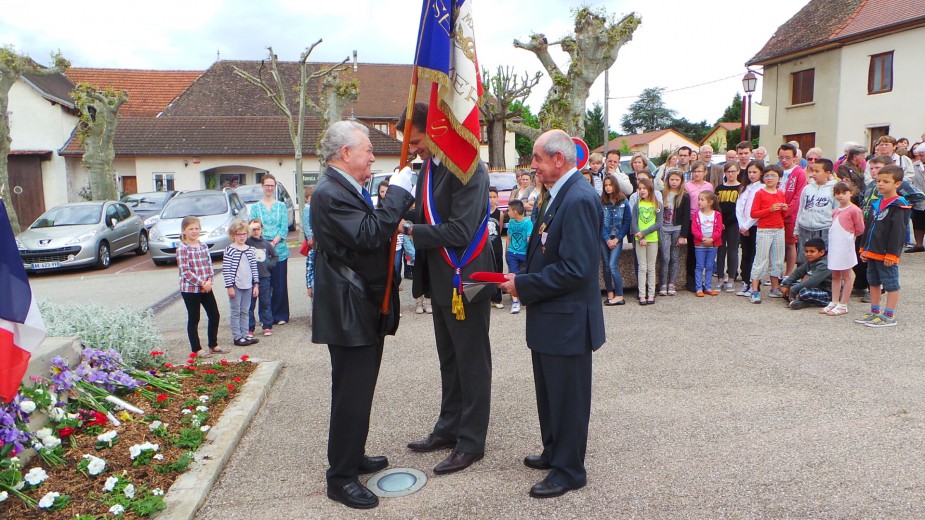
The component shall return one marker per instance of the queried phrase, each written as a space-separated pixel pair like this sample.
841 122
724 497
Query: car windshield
145 201
198 205
249 194
70 216
503 180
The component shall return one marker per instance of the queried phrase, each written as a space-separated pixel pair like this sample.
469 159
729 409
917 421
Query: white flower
3 495
136 450
96 465
203 399
157 492
155 425
48 500
27 406
201 408
158 457
116 510
51 442
43 433
35 476
129 491
19 485
107 437
186 411
195 421
72 416
110 483
39 391
205 428
57 414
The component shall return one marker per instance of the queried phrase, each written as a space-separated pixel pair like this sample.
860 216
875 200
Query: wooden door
26 188
129 185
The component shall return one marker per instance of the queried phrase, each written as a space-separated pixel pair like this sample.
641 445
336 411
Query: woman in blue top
275 227
616 225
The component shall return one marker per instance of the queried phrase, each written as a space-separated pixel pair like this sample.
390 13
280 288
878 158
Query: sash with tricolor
449 256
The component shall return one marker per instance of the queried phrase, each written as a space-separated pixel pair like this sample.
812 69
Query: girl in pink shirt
847 224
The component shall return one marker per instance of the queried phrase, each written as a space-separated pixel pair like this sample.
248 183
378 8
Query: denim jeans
264 313
613 281
703 269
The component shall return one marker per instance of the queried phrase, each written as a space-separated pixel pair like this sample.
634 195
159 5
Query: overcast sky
679 44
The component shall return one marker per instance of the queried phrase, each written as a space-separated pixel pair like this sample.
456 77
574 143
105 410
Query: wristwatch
407 227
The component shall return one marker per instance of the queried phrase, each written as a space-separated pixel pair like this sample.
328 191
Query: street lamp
749 82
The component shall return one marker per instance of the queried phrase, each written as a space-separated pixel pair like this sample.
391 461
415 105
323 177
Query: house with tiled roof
844 70
652 144
717 136
150 90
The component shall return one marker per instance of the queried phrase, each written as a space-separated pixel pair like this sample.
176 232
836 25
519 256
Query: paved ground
702 408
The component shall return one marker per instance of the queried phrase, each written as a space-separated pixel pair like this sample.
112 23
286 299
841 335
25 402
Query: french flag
22 328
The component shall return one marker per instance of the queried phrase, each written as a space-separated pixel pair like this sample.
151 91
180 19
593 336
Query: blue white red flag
22 328
446 56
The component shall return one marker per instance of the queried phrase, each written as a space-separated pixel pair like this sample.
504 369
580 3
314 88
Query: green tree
647 113
522 143
733 113
594 126
694 131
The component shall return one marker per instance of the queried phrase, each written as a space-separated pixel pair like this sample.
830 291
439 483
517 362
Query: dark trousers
263 312
465 375
860 270
748 252
354 371
497 251
563 402
690 262
279 302
207 301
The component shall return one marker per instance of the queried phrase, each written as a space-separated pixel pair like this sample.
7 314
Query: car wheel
103 258
142 244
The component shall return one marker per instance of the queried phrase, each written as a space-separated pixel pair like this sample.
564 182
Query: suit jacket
461 208
715 174
565 315
349 233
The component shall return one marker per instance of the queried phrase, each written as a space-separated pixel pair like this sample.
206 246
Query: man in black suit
352 243
462 343
565 319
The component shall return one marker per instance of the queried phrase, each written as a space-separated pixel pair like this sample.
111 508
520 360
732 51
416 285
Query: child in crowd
196 279
266 258
883 243
495 227
694 187
748 226
239 268
727 254
791 184
811 282
617 215
769 208
644 225
847 225
814 212
707 229
519 229
676 223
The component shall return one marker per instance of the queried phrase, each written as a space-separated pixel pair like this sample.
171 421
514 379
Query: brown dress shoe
431 443
457 461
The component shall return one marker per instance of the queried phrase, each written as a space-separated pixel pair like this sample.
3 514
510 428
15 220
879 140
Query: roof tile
149 91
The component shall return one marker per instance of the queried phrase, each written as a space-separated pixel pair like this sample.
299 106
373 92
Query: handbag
305 247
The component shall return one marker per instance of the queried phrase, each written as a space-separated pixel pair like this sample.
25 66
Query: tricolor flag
22 328
446 56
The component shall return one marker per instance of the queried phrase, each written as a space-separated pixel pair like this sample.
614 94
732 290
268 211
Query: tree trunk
527 131
6 83
496 133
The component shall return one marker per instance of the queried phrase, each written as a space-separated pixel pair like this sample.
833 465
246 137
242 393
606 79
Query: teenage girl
676 223
196 278
847 225
747 225
644 225
727 255
616 227
707 229
769 208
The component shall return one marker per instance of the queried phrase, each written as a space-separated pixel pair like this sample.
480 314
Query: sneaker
241 342
755 297
515 307
744 290
711 292
252 341
867 318
672 290
865 298
419 305
250 334
767 282
267 332
881 321
729 286
427 308
497 305
775 293
663 291
700 294
281 322
798 304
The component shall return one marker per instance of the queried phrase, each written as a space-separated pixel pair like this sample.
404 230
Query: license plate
46 265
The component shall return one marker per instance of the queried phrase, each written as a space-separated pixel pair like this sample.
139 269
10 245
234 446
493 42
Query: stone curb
189 491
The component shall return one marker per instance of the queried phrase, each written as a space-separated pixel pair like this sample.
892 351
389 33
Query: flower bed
118 442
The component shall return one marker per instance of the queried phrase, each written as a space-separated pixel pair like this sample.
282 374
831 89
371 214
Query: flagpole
405 145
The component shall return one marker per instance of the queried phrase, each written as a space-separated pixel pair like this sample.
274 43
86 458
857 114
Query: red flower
224 362
210 371
98 419
245 357
168 365
66 432
231 388
155 353
193 354
236 379
161 398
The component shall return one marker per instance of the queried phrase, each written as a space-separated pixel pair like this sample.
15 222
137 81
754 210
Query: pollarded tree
592 49
12 67
99 115
501 92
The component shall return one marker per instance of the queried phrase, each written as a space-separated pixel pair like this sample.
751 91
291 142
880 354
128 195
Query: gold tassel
458 305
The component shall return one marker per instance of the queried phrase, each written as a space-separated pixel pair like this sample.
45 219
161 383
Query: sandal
826 309
837 311
217 350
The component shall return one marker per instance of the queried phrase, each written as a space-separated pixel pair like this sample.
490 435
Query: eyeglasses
770 176
782 157
241 234
269 185
812 159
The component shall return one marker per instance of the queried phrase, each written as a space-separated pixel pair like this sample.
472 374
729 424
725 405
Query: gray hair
706 147
849 145
340 134
557 141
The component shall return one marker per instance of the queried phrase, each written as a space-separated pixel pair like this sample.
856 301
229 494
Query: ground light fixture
396 482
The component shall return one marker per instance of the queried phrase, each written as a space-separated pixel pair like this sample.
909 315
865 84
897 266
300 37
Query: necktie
543 205
369 200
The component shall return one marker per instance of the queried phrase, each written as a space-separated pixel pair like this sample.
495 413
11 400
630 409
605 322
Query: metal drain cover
396 482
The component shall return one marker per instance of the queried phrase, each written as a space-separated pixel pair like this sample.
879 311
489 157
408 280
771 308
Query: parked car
250 194
504 182
148 205
81 234
215 209
372 185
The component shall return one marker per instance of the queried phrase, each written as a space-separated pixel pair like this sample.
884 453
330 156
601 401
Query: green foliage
717 145
734 137
733 113
594 126
523 144
131 332
625 148
190 438
179 466
647 113
694 131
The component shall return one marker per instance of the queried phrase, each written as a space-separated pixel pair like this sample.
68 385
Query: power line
682 88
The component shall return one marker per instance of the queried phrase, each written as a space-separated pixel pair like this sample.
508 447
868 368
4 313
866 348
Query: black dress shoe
536 462
549 489
353 495
457 461
372 464
431 443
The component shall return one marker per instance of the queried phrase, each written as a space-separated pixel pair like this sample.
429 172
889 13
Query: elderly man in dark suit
451 231
565 319
352 243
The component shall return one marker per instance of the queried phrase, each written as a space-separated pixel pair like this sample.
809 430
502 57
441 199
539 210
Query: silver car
81 234
252 193
215 209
